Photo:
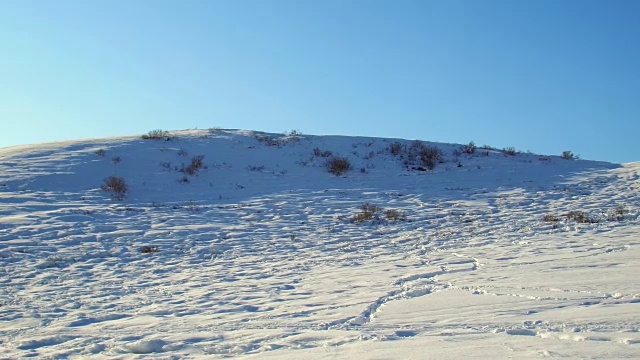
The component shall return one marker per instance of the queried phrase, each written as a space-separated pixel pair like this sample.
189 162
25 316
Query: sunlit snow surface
257 256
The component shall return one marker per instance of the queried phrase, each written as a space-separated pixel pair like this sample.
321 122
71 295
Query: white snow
256 256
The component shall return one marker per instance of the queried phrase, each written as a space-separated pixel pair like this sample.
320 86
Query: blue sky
544 76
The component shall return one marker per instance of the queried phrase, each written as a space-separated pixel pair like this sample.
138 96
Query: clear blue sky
538 75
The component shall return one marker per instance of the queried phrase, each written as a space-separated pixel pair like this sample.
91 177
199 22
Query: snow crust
257 256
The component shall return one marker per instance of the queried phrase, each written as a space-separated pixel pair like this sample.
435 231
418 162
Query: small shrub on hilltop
427 156
294 132
268 140
117 186
511 151
568 155
470 148
338 165
157 134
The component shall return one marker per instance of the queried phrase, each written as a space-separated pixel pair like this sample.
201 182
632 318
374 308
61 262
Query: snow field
257 255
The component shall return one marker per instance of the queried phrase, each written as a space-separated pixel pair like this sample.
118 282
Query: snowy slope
258 257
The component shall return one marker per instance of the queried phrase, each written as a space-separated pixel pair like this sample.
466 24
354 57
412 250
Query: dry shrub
338 165
149 249
268 140
367 212
117 186
157 134
470 148
580 217
395 215
197 163
294 133
430 156
417 154
617 214
550 218
396 148
321 153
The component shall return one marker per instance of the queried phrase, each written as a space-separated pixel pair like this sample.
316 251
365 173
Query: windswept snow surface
257 256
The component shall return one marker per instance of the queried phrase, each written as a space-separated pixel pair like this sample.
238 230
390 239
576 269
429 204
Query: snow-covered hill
260 252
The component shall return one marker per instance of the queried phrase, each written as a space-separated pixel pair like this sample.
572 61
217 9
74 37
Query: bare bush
372 212
367 212
338 165
294 132
568 155
157 134
430 156
511 151
321 153
395 215
396 148
617 214
580 217
149 249
417 152
550 218
117 186
470 148
197 163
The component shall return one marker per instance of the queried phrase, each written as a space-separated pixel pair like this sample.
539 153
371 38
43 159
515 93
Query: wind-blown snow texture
257 256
